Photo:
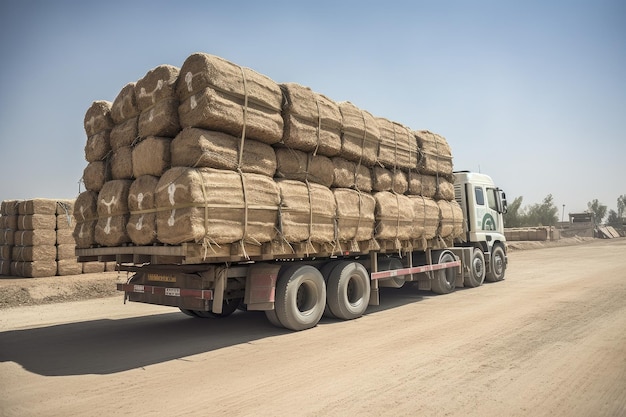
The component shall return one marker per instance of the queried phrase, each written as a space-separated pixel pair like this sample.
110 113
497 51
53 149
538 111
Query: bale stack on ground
67 263
8 226
246 161
34 251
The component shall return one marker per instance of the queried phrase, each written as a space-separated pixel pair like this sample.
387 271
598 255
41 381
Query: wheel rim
306 298
497 264
477 267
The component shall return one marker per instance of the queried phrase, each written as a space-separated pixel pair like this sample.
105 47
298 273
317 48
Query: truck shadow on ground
108 346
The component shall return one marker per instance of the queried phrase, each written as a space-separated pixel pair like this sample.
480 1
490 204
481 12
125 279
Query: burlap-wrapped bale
451 225
86 215
142 228
151 156
355 215
436 154
98 118
216 94
34 237
37 206
424 185
312 121
157 85
158 103
124 106
394 217
8 222
65 236
215 206
7 237
122 163
360 136
427 216
69 267
38 269
66 251
96 174
34 253
297 165
124 134
98 146
5 251
389 180
9 207
445 190
398 147
113 213
36 221
65 215
308 212
348 174
92 267
160 120
5 266
201 148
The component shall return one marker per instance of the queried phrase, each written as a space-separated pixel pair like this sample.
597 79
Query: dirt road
550 340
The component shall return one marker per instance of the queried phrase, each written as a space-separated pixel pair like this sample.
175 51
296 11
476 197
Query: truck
296 288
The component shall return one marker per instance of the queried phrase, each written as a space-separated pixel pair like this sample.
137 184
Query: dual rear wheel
304 294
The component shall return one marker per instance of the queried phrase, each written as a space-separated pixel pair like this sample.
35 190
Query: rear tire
498 264
444 281
300 297
273 318
388 264
477 268
348 290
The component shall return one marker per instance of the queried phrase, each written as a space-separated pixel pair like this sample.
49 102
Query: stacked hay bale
34 251
8 226
67 263
245 161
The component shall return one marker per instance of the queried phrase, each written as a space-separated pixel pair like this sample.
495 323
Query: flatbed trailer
296 283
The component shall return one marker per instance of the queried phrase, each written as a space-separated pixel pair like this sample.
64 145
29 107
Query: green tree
544 214
621 205
613 219
513 217
598 210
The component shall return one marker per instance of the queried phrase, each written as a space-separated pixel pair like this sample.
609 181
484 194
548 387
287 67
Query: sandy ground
550 340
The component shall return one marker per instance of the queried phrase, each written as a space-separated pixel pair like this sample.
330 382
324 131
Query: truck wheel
273 318
300 297
388 264
325 271
444 279
498 265
348 290
476 275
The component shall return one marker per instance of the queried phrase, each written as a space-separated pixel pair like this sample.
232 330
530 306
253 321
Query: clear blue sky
532 93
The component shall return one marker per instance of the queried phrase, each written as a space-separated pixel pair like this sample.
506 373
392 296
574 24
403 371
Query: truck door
487 213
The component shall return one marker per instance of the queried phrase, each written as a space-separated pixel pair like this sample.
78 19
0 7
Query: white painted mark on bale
139 224
192 102
139 201
110 203
151 117
172 220
188 80
107 227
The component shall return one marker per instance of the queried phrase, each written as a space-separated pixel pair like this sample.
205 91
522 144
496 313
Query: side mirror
504 205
